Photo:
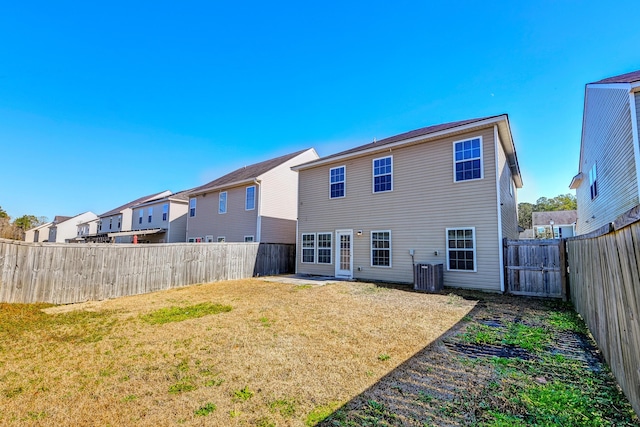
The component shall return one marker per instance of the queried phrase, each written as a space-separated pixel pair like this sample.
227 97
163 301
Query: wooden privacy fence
605 289
535 268
63 273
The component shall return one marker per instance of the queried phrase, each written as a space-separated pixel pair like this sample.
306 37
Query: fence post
564 277
505 262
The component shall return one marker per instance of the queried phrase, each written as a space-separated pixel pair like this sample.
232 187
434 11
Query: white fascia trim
618 86
385 147
636 139
496 139
219 187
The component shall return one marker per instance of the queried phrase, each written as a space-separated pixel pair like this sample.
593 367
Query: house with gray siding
554 224
443 194
608 181
162 220
255 203
65 228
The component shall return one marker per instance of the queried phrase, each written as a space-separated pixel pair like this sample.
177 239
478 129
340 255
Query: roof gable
558 217
247 172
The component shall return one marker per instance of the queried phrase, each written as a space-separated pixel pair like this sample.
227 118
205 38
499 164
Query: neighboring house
443 194
255 203
65 228
161 220
114 225
85 229
38 234
608 181
559 224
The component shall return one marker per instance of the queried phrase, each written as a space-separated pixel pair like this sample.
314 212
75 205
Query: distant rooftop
558 217
632 77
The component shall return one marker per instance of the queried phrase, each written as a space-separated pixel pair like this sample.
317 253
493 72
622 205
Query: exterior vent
428 277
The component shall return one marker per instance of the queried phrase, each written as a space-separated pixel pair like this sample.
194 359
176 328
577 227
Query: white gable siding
425 201
508 198
606 139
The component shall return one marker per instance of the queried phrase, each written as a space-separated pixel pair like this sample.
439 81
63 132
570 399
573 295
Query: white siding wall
69 229
424 202
178 218
508 198
607 140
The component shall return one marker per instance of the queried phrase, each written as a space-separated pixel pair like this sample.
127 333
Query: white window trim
226 200
150 215
208 238
193 199
165 212
475 249
373 175
221 239
302 248
330 233
253 239
246 191
453 145
371 249
344 182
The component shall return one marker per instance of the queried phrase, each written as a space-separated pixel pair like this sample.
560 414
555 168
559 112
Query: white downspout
496 140
636 142
258 213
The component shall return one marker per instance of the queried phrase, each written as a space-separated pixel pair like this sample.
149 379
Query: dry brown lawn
282 356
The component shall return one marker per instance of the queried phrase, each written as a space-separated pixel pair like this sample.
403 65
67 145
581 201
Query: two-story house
255 203
64 228
443 194
162 220
119 220
608 181
39 233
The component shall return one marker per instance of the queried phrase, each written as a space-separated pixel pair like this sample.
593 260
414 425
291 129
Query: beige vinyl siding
425 201
277 230
233 225
280 189
508 199
607 139
125 222
178 212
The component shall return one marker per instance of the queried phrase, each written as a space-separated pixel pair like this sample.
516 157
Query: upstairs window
461 249
119 221
192 207
222 239
468 159
382 174
165 211
250 198
593 181
222 202
110 223
248 239
308 248
150 215
140 216
337 181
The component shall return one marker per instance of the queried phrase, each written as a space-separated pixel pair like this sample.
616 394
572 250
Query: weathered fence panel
535 268
605 289
63 273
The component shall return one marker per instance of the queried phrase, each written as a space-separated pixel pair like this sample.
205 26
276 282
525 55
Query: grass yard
244 352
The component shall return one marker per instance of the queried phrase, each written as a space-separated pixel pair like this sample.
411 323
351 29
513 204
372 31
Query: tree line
563 202
15 229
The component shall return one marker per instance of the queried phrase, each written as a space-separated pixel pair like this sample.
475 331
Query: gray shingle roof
558 217
248 172
133 203
404 136
631 77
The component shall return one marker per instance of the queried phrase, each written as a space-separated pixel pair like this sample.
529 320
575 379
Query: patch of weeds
243 394
567 321
36 415
481 334
320 413
205 410
265 322
286 407
302 287
265 422
178 314
130 398
181 387
424 397
215 382
234 414
12 392
532 338
383 357
106 372
498 419
369 373
183 366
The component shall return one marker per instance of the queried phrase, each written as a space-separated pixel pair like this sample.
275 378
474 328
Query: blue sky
102 103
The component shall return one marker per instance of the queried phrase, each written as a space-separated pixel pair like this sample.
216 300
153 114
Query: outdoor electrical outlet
412 252
359 268
436 253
